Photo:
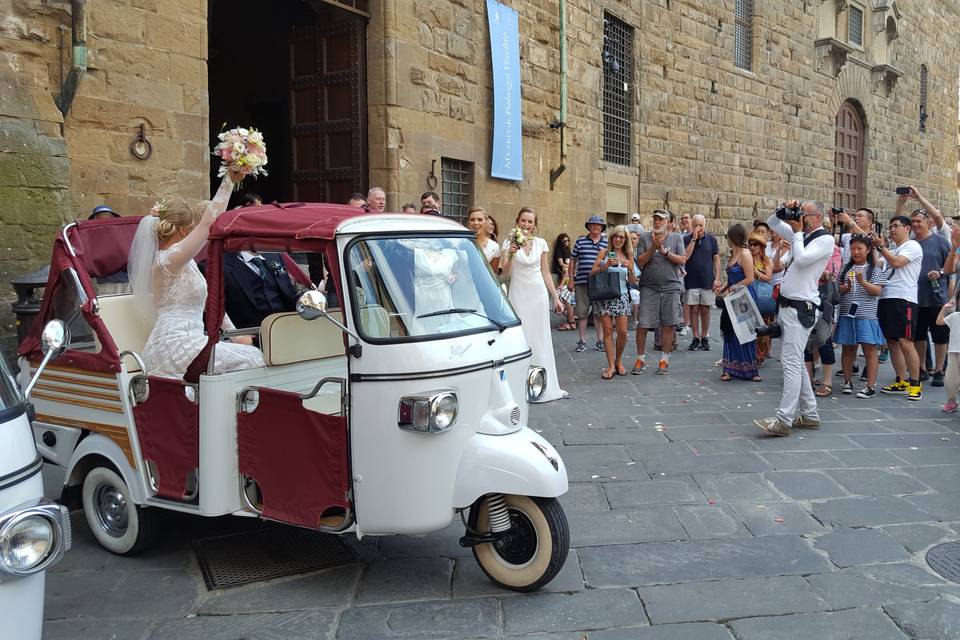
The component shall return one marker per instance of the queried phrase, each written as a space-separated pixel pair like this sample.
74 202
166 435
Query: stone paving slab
805 485
623 495
657 563
709 522
96 629
625 527
427 620
847 591
405 579
584 497
697 631
852 547
726 599
775 518
864 512
919 537
734 487
592 609
877 482
937 620
853 624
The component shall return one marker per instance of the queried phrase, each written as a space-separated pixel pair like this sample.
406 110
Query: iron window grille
457 188
618 69
743 35
923 97
855 26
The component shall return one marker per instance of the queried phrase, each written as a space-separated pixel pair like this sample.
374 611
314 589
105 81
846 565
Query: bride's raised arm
183 252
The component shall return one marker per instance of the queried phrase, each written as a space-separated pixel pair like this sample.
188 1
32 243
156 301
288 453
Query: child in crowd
949 316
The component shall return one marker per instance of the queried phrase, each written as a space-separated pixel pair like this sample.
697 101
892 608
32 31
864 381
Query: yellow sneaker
898 388
915 392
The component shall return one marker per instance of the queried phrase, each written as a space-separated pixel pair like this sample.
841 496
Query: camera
773 330
836 210
787 214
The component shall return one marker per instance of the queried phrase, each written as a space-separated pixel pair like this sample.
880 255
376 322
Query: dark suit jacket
246 301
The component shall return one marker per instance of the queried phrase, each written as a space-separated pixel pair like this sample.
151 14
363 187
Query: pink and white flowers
242 151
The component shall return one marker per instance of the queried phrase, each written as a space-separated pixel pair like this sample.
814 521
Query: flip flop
726 377
823 391
621 371
606 377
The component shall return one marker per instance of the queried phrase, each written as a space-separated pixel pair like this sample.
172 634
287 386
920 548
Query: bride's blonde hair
174 216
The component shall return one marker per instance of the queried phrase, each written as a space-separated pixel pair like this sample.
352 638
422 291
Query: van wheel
117 522
533 551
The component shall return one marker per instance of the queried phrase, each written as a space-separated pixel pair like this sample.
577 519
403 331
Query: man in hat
584 254
102 212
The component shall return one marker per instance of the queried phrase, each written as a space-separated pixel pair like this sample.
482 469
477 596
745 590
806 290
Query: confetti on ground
631 463
761 507
945 439
711 501
594 477
778 519
914 448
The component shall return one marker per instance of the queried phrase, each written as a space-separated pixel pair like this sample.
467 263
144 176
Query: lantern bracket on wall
140 148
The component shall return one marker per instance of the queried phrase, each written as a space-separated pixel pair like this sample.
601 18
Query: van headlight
431 413
536 383
32 537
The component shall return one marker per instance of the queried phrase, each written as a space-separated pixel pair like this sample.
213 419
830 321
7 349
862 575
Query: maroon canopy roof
294 221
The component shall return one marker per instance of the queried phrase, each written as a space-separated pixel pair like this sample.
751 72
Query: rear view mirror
312 305
54 340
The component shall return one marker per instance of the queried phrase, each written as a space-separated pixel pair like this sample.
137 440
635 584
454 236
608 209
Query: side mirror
54 340
311 305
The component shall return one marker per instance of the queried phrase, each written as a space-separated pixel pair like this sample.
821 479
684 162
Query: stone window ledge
832 55
885 76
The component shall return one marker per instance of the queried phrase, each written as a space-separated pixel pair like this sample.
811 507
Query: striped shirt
585 252
859 295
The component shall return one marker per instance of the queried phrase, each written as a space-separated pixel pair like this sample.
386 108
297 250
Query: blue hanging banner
507 158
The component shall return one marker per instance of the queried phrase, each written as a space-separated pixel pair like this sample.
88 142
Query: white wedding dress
178 335
531 300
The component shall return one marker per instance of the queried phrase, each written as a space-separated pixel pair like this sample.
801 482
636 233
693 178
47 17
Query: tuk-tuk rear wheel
117 522
532 553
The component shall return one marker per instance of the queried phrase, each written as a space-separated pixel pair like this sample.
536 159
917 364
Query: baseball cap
661 213
102 209
636 217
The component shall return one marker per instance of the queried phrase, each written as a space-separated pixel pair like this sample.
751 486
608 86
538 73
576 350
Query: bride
170 292
530 283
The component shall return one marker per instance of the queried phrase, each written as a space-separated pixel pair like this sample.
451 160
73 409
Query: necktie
261 266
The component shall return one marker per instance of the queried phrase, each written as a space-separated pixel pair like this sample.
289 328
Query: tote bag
766 303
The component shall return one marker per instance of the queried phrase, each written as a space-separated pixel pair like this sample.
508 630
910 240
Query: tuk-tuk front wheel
117 522
532 551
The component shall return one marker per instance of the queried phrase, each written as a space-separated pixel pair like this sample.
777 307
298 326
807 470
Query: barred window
743 35
855 26
456 188
923 97
617 63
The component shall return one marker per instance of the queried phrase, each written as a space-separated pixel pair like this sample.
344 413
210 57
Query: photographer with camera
799 301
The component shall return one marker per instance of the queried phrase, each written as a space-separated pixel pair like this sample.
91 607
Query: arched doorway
849 166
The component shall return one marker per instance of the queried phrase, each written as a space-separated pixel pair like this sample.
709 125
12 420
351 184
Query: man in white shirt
897 309
799 300
940 224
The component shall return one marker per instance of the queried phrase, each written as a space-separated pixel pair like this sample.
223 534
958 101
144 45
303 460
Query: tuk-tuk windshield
9 393
423 287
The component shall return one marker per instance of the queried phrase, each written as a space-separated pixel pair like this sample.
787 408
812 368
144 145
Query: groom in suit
257 284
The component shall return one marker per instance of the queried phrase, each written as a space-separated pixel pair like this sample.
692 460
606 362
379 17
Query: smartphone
903 191
854 307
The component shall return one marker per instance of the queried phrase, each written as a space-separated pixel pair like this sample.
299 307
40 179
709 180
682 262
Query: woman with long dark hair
558 268
739 360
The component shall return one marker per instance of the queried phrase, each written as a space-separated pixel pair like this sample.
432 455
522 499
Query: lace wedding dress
531 300
178 336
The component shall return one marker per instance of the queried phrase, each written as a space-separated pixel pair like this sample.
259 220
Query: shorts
702 297
634 296
614 307
852 331
898 318
581 308
927 321
659 308
827 354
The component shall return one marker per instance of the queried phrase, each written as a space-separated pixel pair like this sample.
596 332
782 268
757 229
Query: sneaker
866 392
884 355
924 376
949 407
663 368
684 331
694 345
639 366
863 374
581 346
803 422
847 388
772 426
898 388
599 346
915 392
705 344
937 379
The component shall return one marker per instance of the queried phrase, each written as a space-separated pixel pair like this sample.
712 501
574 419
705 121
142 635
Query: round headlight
443 411
536 383
27 543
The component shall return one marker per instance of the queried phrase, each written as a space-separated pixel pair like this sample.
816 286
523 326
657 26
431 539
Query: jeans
797 398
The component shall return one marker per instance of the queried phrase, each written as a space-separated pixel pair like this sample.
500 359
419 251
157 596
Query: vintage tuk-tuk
390 415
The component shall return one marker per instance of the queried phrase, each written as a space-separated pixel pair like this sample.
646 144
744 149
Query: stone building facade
724 107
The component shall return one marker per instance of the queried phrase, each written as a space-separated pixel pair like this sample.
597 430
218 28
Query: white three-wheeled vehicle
390 415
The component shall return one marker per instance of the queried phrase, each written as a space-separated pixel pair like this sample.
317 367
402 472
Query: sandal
823 391
725 377
621 371
756 379
566 326
605 375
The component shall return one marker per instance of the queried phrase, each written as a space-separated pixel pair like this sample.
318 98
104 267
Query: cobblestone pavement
686 523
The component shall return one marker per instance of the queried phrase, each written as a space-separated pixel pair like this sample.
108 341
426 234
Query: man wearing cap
584 254
660 255
102 212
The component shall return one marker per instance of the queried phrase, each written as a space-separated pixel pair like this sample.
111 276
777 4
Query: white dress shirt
807 264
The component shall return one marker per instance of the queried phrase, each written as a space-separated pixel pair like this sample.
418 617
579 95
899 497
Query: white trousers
798 398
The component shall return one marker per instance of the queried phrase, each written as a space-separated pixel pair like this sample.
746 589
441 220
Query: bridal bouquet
518 237
242 151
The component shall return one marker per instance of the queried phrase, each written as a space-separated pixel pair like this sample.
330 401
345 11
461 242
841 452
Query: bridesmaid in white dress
477 221
531 293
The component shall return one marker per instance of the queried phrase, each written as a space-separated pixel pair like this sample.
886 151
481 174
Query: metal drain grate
945 560
242 558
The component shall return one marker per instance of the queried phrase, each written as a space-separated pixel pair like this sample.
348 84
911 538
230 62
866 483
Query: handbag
604 285
763 294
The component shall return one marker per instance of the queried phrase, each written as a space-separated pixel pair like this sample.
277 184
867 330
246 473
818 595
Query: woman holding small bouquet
524 258
618 258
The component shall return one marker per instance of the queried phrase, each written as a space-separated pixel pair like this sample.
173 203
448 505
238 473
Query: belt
796 304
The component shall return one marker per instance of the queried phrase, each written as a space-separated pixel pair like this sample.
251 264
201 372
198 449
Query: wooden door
328 112
848 172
